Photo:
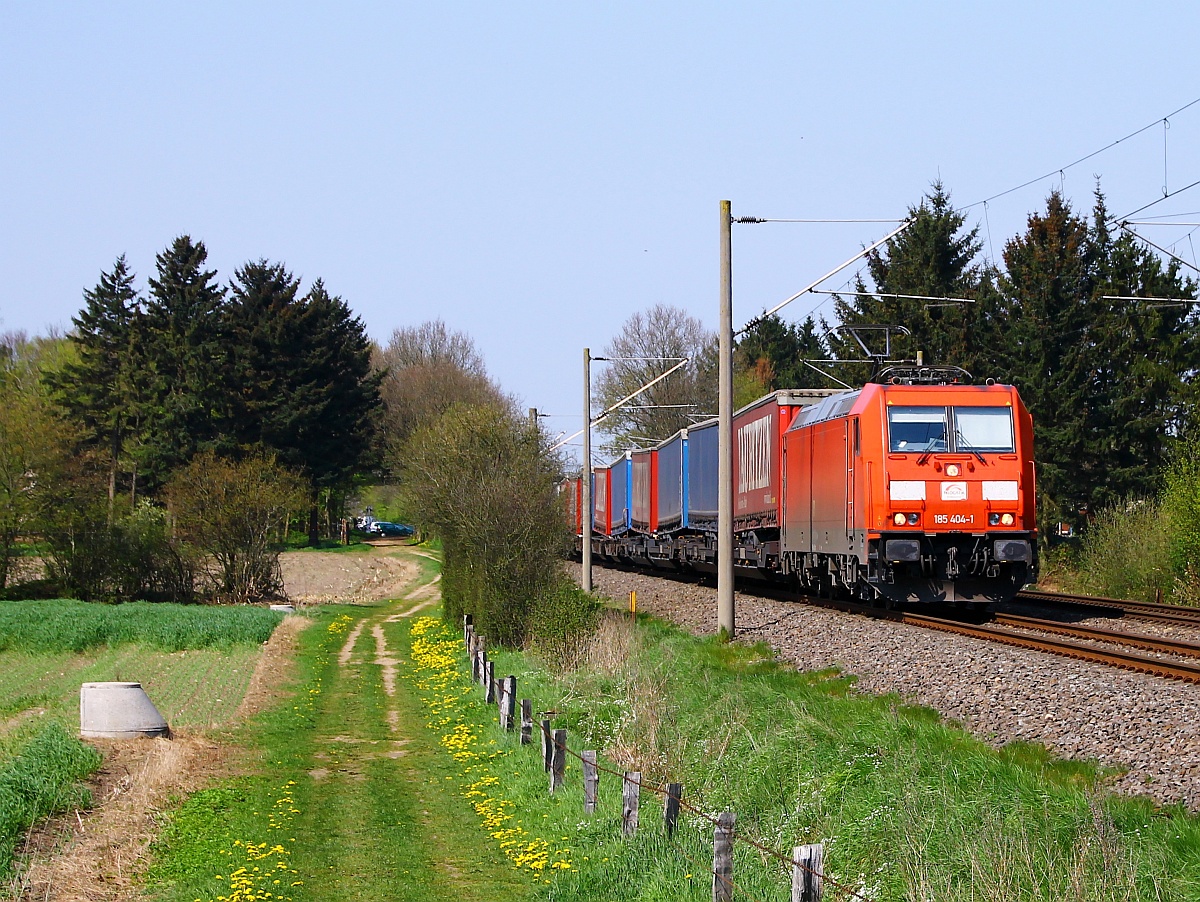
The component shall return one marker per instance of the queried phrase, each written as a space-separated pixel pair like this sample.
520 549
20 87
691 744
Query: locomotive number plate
961 519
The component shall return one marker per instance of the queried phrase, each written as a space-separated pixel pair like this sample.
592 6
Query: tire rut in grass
379 817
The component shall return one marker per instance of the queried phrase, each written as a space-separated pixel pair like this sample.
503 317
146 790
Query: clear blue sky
534 173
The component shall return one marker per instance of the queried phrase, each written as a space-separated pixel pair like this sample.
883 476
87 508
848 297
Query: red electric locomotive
918 493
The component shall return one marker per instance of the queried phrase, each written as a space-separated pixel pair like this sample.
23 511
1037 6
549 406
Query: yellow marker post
633 605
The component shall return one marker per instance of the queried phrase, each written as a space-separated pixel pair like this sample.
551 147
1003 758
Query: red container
645 490
602 501
758 432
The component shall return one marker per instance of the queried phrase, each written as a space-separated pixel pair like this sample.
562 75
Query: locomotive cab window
988 429
916 429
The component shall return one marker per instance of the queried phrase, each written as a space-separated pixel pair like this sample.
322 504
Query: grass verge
906 805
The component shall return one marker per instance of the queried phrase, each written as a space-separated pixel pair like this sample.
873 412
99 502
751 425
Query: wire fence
809 880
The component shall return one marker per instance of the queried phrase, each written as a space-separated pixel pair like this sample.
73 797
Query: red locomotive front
913 493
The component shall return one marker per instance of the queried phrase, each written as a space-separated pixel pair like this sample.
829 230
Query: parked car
390 530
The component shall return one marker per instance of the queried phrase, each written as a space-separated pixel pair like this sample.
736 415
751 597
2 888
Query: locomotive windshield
917 429
984 429
925 429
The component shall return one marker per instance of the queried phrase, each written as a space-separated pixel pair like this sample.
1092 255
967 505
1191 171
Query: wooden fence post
806 873
468 620
508 701
558 760
630 796
489 682
671 807
723 857
526 721
473 651
546 745
591 777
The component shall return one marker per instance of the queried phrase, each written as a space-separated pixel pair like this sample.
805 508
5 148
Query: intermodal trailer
570 490
758 430
702 469
644 503
670 486
611 503
602 501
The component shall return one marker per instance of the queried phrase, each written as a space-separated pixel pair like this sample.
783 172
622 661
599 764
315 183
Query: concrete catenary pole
725 611
585 514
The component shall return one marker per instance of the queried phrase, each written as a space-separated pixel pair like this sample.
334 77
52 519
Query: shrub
1127 552
1181 507
484 482
233 511
562 625
131 557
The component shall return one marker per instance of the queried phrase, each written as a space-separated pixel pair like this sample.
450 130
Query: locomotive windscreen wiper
962 440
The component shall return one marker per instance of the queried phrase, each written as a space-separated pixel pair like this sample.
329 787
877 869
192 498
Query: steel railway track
1115 607
1063 639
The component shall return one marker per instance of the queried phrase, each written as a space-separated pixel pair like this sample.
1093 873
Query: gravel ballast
1143 725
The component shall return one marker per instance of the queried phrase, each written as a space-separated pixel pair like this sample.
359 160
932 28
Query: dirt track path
377 819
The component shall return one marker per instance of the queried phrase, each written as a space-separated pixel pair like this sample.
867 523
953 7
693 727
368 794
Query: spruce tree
300 379
335 403
181 354
775 351
935 257
97 388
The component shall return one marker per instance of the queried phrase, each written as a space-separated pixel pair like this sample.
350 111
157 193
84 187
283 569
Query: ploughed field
1140 725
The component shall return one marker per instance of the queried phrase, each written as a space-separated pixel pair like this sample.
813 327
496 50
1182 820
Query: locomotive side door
853 443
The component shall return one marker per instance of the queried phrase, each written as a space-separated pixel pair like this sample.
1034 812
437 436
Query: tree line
163 448
123 439
1098 333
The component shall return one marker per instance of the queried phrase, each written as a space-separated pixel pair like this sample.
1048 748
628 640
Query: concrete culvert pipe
285 608
118 711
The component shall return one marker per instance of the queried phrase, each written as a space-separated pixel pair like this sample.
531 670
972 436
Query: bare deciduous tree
429 368
682 398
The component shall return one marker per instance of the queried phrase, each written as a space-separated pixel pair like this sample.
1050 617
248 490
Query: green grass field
194 662
907 806
67 625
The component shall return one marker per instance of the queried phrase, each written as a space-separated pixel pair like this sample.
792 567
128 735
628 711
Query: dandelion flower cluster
263 870
440 679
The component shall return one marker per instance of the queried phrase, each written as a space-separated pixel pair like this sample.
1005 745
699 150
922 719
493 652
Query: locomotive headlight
953 469
1007 519
993 519
899 519
914 519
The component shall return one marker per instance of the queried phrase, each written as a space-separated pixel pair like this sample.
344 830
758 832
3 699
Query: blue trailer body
620 490
702 476
670 482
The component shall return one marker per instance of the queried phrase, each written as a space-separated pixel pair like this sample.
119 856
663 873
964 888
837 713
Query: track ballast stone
1142 725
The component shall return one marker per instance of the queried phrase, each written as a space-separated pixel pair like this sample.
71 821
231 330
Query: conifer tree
97 387
299 378
181 352
775 351
935 257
